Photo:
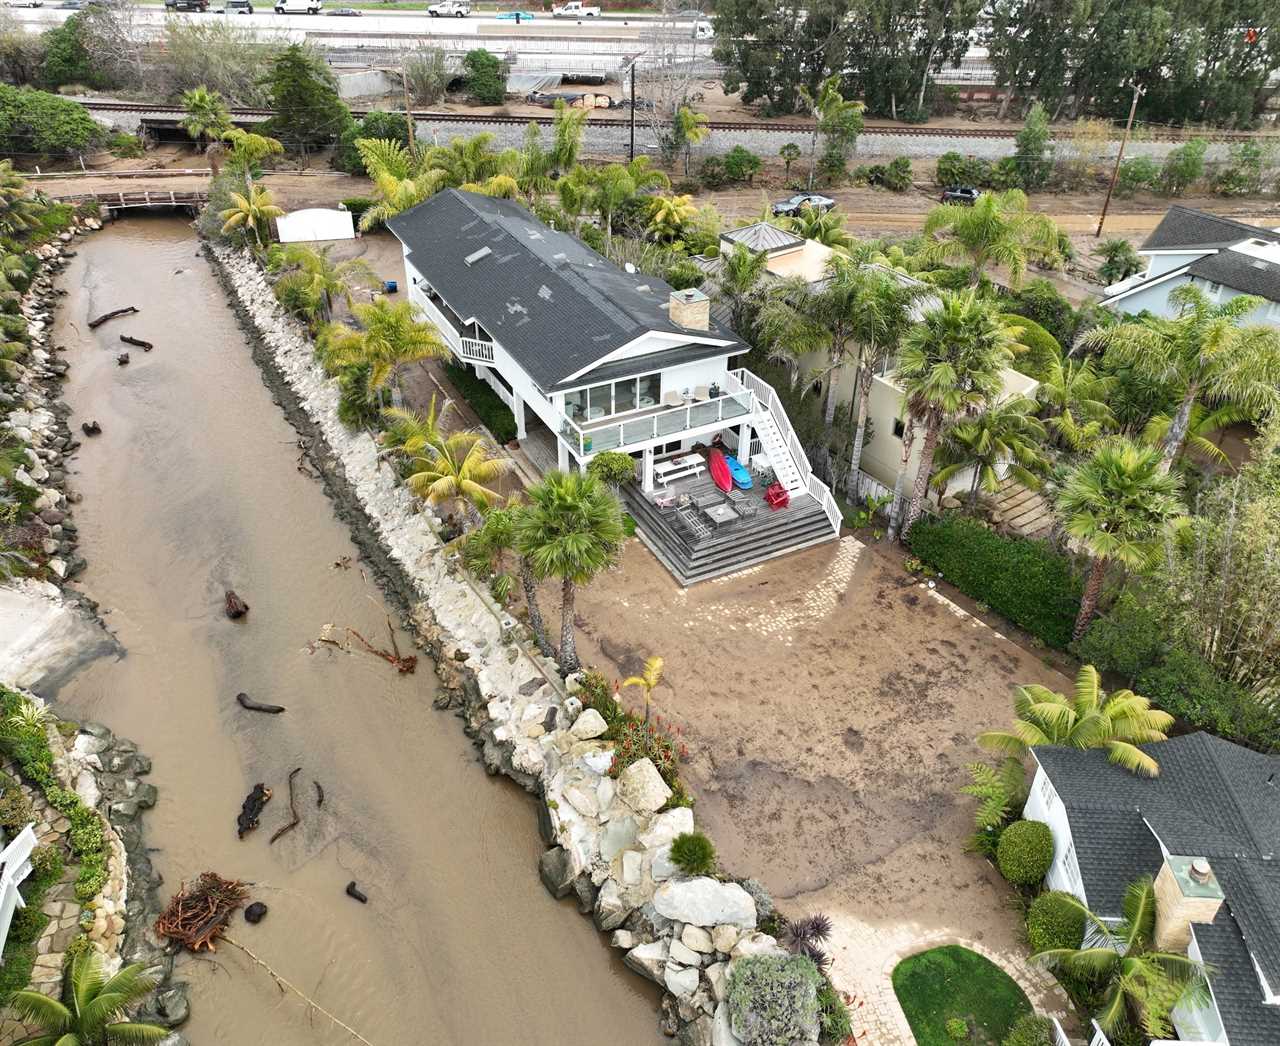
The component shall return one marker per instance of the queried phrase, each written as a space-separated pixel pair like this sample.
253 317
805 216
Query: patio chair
664 501
701 393
777 497
672 399
692 523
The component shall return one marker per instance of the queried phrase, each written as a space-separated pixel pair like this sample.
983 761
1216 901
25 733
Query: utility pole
408 113
1115 171
631 154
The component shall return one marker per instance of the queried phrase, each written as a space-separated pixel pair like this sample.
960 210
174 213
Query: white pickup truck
450 9
575 9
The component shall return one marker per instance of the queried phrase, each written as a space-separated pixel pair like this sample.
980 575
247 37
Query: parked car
450 9
25 3
186 5
791 207
298 7
964 195
236 7
344 12
515 16
575 9
72 5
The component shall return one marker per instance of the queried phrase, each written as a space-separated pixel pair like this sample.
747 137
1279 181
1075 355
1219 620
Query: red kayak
720 473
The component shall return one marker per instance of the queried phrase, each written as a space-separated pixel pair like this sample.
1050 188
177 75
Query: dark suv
964 195
186 5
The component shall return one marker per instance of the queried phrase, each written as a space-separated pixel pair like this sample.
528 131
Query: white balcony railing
472 349
475 349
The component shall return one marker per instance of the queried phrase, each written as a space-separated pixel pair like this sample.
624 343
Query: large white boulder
649 960
642 788
705 902
588 725
665 827
680 980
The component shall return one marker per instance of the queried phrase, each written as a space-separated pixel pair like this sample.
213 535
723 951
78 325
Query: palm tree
567 126
17 208
690 129
250 211
1118 505
1073 398
997 230
461 469
207 116
571 529
396 195
487 547
409 433
1140 984
950 362
96 1004
1205 351
648 680
319 277
737 286
669 216
828 107
537 165
246 151
608 188
1203 426
1089 718
469 161
1005 435
826 227
385 156
390 335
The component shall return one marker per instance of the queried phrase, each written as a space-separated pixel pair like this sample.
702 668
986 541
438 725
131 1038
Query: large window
599 402
624 396
650 391
619 397
575 405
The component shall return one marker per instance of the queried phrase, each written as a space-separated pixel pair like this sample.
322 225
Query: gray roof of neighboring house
1240 272
553 303
1212 799
763 236
1235 984
1187 227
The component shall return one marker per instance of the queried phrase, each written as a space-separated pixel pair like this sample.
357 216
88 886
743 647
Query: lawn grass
951 981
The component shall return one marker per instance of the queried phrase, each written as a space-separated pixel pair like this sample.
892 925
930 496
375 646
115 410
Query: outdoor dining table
720 514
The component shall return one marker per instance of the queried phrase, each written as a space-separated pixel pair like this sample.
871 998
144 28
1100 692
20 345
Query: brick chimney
691 309
1187 892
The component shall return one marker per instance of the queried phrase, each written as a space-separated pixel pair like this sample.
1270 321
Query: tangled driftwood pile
197 915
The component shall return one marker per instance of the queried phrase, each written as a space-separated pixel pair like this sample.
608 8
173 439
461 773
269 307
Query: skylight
475 256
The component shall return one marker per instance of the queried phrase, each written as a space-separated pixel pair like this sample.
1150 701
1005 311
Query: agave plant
805 937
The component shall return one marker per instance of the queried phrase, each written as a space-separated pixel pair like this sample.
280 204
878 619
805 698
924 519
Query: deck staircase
1023 511
773 444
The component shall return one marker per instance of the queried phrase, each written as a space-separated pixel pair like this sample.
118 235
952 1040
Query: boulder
722 1028
632 867
583 799
642 788
705 902
616 836
611 911
757 944
662 866
624 939
683 954
697 939
696 1034
588 725
665 827
680 980
555 868
725 938
718 979
648 960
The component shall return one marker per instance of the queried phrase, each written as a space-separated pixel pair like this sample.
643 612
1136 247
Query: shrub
1025 852
1183 167
594 692
613 467
635 739
897 176
711 173
38 122
127 146
495 414
684 274
1053 922
1126 640
1030 1030
956 169
741 165
957 1029
1032 161
1119 260
356 406
1041 301
15 810
1185 685
1042 347
1137 172
357 205
693 853
486 77
833 1014
1021 579
46 868
27 925
428 76
1244 173
391 126
773 1000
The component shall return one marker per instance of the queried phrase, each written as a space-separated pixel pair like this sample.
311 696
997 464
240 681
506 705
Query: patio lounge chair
673 399
701 393
692 523
777 497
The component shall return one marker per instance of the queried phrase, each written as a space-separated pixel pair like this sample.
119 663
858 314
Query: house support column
517 408
646 470
744 442
562 455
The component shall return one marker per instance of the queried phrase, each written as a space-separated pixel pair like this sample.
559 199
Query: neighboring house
15 866
790 256
1208 829
590 358
1223 257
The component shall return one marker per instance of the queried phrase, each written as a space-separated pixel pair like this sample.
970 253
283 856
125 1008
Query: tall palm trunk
860 429
895 510
1089 599
923 474
536 623
569 662
1177 433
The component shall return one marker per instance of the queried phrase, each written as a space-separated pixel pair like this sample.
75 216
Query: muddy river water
192 488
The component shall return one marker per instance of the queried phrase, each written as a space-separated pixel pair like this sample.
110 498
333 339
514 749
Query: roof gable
1189 228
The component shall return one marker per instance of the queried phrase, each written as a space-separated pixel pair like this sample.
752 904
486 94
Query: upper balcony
466 340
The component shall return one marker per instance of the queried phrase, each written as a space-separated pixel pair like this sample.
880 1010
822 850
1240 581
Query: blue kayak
741 477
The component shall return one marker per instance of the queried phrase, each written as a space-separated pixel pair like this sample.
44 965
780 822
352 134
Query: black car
790 208
964 195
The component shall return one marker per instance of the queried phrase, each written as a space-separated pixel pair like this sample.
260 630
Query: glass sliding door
600 402
650 391
624 396
575 405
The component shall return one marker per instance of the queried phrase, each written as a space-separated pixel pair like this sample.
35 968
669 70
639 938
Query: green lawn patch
950 982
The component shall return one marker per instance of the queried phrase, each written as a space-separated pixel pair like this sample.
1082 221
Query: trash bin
390 287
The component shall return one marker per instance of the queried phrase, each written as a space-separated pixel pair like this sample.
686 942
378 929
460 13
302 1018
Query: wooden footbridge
151 199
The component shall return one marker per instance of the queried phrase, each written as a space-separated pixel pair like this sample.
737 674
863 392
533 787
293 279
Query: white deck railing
475 349
767 397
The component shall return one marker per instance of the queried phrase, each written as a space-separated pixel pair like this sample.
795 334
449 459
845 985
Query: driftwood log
100 320
251 809
138 343
236 607
293 809
257 706
319 794
197 915
354 891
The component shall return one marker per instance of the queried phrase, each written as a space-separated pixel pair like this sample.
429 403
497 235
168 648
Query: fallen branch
145 346
196 916
319 794
95 323
257 706
293 809
404 665
285 985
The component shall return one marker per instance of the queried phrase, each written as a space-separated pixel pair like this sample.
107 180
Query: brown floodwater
192 488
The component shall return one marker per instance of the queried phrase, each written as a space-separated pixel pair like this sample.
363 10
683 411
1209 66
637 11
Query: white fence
15 865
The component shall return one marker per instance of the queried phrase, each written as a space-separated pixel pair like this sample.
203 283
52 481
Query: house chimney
691 309
1187 892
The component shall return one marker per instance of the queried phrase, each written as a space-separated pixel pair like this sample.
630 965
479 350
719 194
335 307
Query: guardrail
475 349
148 198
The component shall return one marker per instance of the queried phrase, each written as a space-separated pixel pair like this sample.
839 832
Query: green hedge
1042 347
1023 580
1053 922
495 414
1025 852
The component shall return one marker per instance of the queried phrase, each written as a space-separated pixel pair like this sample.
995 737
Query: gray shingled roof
763 237
553 303
1235 984
1240 272
1212 799
1187 227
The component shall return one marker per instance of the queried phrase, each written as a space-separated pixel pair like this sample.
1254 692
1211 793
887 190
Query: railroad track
723 125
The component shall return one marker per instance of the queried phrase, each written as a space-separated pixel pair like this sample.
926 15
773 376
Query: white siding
1156 301
1044 805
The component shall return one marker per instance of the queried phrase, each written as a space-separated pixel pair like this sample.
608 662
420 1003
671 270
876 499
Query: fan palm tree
1073 398
390 335
1118 505
469 161
949 362
460 469
997 230
487 546
322 279
1007 435
207 116
1141 985
1206 351
1204 424
738 287
648 680
825 227
251 210
96 1003
690 129
1089 718
669 216
571 529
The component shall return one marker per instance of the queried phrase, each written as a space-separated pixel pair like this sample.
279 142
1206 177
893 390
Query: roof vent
629 268
475 256
544 292
1260 265
1200 870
